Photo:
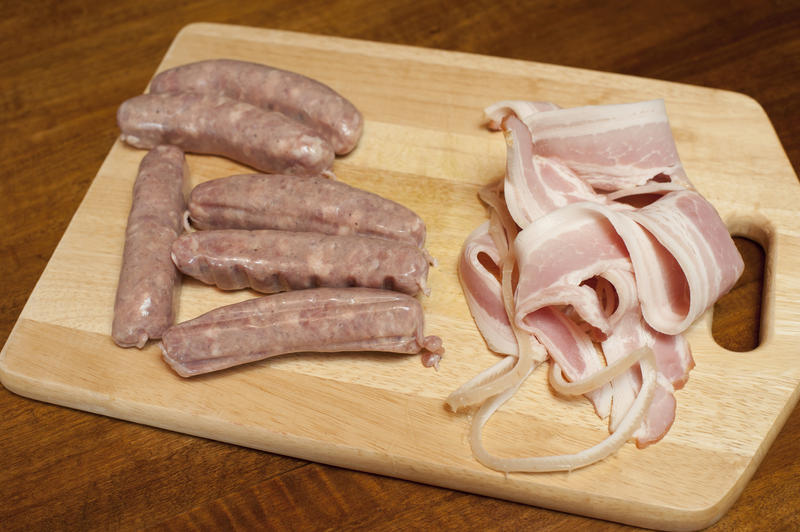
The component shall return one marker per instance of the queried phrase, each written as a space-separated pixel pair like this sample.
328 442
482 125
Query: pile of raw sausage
342 265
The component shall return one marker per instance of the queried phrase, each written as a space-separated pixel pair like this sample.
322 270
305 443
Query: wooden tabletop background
66 65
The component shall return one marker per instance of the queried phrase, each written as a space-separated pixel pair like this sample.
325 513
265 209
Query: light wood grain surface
60 102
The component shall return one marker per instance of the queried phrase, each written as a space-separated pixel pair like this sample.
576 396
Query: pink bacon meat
615 252
610 146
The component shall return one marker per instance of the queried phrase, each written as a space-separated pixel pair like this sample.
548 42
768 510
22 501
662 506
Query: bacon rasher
615 255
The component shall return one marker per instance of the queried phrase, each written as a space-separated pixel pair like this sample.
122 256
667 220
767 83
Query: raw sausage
273 261
258 201
215 125
147 283
299 97
318 319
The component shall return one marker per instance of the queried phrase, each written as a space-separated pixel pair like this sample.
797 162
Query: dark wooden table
66 65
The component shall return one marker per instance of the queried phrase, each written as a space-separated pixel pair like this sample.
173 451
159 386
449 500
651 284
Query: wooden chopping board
425 146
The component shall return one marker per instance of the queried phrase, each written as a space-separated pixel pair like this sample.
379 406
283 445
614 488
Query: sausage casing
259 201
144 306
299 97
318 320
273 261
215 125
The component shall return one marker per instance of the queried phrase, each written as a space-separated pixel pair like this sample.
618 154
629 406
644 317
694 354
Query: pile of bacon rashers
598 255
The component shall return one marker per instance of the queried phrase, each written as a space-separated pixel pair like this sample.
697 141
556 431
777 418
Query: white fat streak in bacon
565 462
610 146
673 362
483 291
630 334
622 284
691 231
464 395
523 110
627 336
682 255
535 186
571 348
560 251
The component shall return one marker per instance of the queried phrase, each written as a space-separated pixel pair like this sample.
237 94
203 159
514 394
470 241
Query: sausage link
215 125
273 261
148 279
319 319
258 201
299 97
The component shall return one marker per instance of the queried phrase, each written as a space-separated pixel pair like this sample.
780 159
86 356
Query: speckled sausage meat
265 140
258 201
318 319
299 97
148 278
274 261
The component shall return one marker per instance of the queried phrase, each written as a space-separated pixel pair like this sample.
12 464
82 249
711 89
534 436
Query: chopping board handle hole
743 302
